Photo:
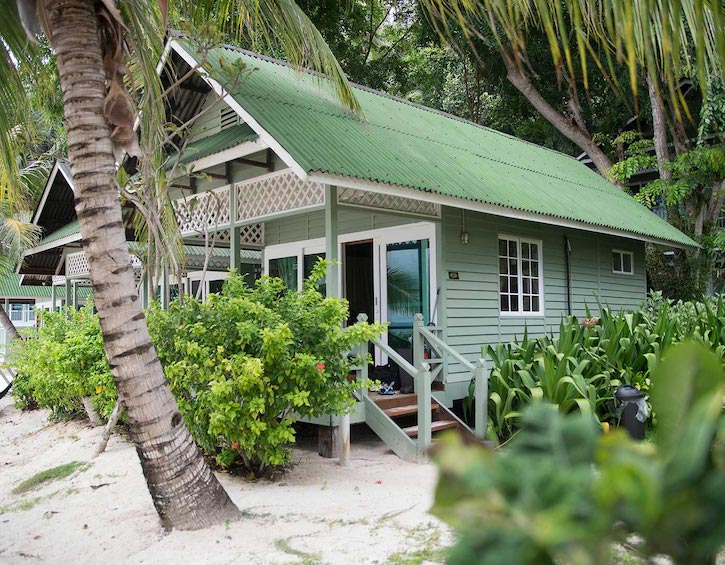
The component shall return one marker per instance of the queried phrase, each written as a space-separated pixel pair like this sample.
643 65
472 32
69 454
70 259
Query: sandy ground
374 511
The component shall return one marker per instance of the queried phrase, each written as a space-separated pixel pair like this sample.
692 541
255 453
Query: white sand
317 513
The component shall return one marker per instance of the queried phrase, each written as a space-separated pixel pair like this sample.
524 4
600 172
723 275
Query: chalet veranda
456 235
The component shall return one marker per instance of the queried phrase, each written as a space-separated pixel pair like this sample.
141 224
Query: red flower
320 367
235 445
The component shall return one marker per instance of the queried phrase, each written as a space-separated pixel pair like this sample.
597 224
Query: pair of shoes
386 389
406 390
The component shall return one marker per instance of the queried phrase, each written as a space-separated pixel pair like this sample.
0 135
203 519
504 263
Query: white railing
206 211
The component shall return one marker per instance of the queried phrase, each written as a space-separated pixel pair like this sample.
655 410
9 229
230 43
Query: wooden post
74 299
234 237
418 343
423 382
328 441
67 292
53 297
481 395
333 291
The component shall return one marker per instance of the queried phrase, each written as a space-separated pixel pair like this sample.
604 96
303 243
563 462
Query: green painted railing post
481 392
53 297
422 386
418 344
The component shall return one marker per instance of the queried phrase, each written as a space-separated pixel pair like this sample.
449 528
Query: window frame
294 249
622 253
520 313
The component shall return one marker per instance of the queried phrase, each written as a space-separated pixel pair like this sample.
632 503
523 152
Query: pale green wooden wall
471 311
312 225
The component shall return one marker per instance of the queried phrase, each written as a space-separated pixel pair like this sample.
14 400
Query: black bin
632 410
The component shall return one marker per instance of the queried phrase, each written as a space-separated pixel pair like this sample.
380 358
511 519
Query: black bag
386 374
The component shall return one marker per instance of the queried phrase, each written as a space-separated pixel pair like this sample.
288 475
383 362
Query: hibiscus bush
61 362
245 364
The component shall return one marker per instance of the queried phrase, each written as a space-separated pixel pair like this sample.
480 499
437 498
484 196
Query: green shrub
246 363
62 361
560 492
580 368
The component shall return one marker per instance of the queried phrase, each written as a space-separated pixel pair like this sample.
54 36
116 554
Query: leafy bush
62 361
579 369
562 493
246 363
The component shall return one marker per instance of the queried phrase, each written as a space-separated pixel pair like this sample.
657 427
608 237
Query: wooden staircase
403 409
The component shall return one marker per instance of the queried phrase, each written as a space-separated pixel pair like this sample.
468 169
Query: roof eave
493 209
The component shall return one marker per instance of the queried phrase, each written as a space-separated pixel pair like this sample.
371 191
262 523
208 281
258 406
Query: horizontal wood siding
312 225
472 317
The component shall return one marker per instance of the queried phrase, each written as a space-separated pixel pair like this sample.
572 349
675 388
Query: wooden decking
403 408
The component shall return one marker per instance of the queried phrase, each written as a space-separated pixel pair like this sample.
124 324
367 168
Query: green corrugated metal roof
10 287
218 142
400 143
69 229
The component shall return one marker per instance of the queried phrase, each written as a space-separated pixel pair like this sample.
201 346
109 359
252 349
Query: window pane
535 304
504 303
512 249
502 247
285 268
513 267
504 284
534 269
309 263
503 266
527 285
514 284
627 262
527 304
514 304
534 251
616 261
524 250
525 268
535 286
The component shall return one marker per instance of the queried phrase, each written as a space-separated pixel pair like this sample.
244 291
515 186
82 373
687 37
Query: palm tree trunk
10 329
185 492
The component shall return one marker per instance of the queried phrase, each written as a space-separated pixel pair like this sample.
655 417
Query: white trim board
52 244
493 209
241 150
246 116
58 166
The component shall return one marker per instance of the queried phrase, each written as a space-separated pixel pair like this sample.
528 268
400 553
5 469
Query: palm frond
656 35
280 24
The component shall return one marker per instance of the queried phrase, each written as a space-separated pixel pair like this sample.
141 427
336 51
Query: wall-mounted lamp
464 233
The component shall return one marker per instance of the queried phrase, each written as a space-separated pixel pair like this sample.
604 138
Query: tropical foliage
245 364
561 492
61 362
579 369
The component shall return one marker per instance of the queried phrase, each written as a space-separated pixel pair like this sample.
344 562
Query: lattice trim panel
252 234
376 200
76 265
203 211
277 192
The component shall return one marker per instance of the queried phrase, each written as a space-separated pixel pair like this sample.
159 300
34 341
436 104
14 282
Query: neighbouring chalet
480 233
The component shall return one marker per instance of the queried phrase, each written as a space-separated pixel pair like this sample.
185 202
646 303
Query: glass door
405 285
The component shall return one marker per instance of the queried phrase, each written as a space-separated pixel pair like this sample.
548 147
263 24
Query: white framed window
521 279
284 261
622 262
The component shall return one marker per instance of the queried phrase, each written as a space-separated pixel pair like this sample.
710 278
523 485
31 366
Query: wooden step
393 400
407 409
436 426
